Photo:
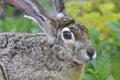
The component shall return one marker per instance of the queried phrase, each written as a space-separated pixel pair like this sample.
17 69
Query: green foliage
116 61
115 27
106 66
93 17
9 10
102 20
19 24
97 2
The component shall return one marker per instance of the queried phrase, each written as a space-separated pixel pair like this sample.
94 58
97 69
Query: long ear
59 8
35 12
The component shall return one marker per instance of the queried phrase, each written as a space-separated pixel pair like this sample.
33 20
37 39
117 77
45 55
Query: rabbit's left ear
59 8
34 11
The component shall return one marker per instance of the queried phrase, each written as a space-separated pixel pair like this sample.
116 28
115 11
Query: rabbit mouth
81 62
84 61
83 57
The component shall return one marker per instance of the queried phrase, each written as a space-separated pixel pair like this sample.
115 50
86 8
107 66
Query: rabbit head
68 39
72 42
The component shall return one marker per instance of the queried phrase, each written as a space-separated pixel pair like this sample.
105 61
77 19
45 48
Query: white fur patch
29 17
94 56
59 15
83 56
32 18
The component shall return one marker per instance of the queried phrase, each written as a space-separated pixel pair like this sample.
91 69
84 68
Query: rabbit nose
90 53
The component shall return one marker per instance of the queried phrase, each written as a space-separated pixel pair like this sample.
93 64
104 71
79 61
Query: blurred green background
101 17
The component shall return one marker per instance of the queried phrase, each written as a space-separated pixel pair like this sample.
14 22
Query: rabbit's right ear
59 8
35 12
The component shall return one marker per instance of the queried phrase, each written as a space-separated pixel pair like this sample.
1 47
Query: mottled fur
30 57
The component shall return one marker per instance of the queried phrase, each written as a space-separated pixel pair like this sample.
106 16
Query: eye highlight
67 35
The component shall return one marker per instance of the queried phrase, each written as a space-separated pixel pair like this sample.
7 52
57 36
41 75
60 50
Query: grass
106 66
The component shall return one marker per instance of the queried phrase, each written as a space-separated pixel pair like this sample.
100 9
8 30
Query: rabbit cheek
81 57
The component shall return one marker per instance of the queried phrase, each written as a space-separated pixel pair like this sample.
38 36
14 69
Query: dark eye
67 35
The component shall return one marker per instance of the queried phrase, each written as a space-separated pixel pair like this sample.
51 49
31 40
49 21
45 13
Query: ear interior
59 8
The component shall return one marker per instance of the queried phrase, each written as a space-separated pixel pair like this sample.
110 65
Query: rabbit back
30 57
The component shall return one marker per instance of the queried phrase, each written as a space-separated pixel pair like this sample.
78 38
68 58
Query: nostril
90 53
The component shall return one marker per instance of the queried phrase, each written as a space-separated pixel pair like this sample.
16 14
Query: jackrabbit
63 51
